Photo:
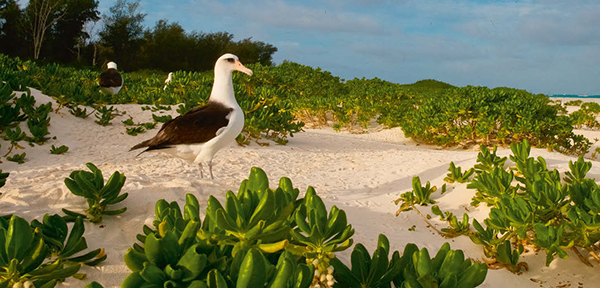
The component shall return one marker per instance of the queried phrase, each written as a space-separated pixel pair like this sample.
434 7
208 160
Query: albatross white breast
169 79
201 132
110 81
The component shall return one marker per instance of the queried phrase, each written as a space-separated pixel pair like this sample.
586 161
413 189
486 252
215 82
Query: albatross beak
242 68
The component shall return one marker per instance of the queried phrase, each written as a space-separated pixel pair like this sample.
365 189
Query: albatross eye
230 60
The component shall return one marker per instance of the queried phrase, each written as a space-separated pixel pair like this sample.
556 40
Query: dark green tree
11 29
197 51
162 43
208 48
67 37
123 34
253 51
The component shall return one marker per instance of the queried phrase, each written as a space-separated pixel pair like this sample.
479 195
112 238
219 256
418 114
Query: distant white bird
201 132
169 78
110 81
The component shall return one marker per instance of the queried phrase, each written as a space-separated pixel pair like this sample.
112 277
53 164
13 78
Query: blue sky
545 46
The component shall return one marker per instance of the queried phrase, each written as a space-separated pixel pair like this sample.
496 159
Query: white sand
361 174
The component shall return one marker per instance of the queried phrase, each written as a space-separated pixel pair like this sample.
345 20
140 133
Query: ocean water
574 96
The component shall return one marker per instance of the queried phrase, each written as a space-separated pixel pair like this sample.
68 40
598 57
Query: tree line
70 31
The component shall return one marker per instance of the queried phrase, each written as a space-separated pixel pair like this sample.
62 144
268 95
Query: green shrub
22 255
591 107
55 232
18 158
471 115
98 194
261 237
418 196
573 103
532 206
415 268
583 117
105 115
59 150
456 175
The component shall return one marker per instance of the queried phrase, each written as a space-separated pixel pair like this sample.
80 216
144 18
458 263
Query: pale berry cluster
27 284
322 279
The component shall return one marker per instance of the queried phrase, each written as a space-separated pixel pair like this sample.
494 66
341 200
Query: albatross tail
141 145
149 146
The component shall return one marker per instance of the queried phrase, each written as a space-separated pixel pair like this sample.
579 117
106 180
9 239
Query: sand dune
361 174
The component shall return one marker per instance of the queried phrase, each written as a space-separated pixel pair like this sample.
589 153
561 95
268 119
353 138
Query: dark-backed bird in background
201 132
110 81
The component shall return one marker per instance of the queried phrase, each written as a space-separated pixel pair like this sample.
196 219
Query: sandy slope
361 174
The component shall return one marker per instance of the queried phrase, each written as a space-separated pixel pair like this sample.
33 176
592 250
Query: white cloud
279 14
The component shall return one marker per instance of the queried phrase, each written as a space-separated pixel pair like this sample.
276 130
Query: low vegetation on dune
278 100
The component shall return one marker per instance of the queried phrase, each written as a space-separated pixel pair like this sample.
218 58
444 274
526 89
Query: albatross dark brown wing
111 78
197 126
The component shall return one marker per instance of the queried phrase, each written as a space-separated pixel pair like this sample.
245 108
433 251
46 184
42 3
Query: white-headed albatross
110 81
169 79
201 132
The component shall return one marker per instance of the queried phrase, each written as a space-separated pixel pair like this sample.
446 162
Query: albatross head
230 62
112 65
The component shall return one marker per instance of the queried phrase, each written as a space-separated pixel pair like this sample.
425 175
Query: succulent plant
59 150
55 232
456 175
97 193
22 254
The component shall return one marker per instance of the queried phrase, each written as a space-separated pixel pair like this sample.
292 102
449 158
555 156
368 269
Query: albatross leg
210 169
200 167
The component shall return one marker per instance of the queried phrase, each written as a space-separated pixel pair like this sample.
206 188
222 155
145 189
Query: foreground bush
91 186
271 238
25 249
532 208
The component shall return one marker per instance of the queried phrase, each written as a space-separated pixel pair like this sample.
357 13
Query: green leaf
265 208
135 260
93 284
60 273
86 256
35 255
75 242
18 238
191 208
134 280
360 262
285 269
215 280
452 264
162 252
152 274
252 271
114 212
257 180
472 276
193 263
422 261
